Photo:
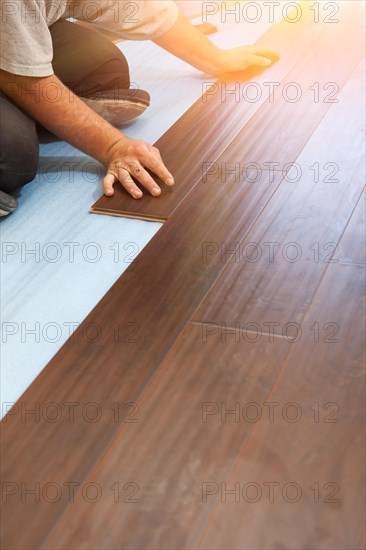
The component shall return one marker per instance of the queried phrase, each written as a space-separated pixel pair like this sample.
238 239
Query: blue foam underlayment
50 292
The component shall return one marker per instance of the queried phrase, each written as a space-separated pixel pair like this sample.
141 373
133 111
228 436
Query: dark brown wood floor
223 404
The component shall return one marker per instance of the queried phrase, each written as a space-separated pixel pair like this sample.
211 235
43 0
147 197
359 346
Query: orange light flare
342 20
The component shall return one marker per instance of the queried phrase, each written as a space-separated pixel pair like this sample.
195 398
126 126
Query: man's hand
129 158
73 121
186 42
244 57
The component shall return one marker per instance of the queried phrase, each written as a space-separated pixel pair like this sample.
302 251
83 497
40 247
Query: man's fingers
155 164
130 167
259 61
269 53
125 178
139 173
108 182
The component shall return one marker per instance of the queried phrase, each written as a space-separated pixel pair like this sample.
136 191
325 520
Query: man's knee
86 61
121 70
18 167
111 72
19 149
19 158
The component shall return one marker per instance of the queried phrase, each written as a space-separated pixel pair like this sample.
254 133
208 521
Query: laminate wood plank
150 305
338 142
325 382
352 248
172 451
277 268
284 124
159 294
362 544
211 124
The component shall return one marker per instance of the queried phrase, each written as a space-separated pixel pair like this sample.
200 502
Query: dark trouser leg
87 62
19 149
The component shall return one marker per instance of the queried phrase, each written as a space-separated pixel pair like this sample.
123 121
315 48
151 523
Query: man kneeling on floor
42 50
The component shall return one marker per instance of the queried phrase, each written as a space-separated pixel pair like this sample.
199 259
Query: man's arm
186 42
53 105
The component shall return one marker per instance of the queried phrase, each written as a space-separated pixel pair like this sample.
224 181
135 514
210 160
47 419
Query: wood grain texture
297 108
325 380
157 296
171 452
277 268
352 248
187 145
146 313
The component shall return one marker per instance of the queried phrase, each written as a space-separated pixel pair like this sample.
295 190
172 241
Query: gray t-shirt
26 44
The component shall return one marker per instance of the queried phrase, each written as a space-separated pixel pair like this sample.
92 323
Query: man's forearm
49 102
54 106
186 42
